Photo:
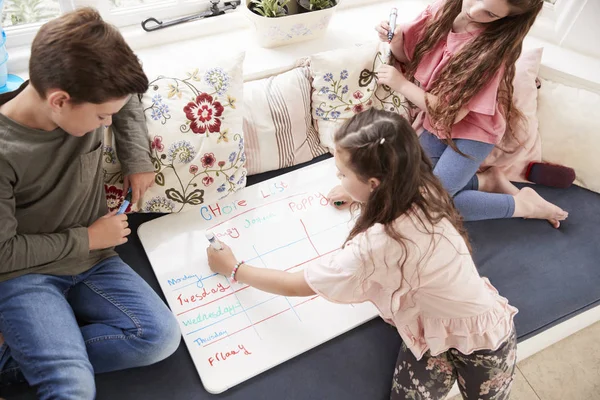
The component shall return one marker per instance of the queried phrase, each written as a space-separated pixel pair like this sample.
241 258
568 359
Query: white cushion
570 130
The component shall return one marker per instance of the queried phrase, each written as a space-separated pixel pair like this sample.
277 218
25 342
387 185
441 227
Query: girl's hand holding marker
214 242
387 30
221 258
339 198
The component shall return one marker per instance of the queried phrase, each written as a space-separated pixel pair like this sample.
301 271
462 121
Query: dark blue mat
550 275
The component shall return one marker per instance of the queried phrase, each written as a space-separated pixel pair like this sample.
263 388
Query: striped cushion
278 128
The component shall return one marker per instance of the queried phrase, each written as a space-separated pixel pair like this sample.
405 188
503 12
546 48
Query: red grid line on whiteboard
256 323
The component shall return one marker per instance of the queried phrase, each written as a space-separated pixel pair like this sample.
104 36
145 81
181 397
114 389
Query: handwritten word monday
183 278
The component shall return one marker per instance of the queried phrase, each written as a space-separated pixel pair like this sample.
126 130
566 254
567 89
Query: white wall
584 35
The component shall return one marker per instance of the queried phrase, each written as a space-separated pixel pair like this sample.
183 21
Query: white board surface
234 332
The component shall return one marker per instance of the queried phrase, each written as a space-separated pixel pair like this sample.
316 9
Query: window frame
162 10
22 36
556 19
552 25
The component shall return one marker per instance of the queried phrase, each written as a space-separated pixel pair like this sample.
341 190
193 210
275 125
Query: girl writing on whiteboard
462 54
409 255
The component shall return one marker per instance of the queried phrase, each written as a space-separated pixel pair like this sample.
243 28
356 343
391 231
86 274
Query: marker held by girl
393 16
214 242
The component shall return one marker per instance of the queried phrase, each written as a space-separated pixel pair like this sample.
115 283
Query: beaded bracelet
235 268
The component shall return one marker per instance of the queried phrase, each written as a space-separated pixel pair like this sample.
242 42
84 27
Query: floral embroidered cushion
195 133
278 128
344 84
113 177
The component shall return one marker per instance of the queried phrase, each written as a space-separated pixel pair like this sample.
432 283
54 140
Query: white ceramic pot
293 28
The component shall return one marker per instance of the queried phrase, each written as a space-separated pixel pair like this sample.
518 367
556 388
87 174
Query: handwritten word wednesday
231 310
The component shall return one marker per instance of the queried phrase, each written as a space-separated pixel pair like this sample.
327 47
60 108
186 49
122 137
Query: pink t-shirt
484 123
437 302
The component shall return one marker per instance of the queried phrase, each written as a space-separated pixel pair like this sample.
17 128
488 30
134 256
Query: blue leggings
458 175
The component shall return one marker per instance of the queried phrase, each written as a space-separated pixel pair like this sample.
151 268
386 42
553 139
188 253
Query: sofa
551 276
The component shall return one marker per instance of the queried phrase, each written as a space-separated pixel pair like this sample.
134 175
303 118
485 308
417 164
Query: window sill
352 23
138 39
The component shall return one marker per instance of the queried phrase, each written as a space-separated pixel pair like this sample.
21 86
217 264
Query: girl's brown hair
86 57
497 46
408 185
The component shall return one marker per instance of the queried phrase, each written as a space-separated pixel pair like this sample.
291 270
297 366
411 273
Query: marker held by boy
126 203
212 239
392 23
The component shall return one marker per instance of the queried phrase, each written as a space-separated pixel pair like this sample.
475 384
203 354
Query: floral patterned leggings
482 375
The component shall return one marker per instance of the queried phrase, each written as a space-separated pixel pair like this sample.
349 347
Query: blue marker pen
392 23
126 203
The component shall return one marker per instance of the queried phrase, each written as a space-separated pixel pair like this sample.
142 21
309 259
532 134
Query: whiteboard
234 332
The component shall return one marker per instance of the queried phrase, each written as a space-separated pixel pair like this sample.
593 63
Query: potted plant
315 5
269 8
293 26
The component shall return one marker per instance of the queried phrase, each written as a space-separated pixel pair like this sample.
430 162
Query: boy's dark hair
86 57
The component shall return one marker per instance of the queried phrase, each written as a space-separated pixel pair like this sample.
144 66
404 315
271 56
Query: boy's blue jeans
124 324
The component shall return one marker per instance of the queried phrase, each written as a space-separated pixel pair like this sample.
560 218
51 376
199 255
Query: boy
69 306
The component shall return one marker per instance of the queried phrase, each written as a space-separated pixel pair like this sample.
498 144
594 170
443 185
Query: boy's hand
391 76
221 261
339 194
139 183
108 231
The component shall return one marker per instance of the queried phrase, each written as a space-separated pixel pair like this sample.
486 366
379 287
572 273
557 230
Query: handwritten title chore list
234 332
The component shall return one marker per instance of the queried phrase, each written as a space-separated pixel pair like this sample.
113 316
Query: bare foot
494 181
529 204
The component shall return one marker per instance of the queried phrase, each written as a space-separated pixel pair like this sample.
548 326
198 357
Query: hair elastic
382 141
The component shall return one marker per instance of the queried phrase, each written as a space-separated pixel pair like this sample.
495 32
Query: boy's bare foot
529 204
493 180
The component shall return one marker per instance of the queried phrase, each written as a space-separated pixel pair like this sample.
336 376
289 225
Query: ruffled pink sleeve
338 278
485 102
412 32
